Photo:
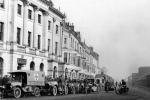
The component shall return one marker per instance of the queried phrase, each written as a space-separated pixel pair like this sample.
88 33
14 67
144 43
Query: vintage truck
21 82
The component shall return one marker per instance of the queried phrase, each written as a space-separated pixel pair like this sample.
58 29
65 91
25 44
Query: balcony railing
32 51
53 57
21 48
42 53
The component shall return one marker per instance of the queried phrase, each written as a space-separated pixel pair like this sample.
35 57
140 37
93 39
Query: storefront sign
21 61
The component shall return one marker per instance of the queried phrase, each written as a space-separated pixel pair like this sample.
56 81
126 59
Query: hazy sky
119 30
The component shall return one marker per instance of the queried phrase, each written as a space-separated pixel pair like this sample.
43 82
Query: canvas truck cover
35 78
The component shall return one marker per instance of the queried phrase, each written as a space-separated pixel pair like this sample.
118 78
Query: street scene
74 50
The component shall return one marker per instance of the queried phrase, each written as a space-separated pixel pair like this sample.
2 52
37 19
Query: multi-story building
80 60
35 36
71 51
30 36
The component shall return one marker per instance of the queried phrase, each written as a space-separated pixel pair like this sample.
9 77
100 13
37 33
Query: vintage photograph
75 49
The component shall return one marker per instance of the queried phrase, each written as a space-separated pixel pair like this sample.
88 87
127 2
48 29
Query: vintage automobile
22 82
55 86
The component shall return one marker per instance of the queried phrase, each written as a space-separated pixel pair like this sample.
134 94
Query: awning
72 67
99 75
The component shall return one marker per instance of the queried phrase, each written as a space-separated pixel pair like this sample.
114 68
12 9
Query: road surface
132 95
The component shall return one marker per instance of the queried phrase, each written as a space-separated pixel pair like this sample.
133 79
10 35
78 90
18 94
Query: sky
119 30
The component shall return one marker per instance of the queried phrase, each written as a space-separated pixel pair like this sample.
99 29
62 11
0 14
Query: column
25 31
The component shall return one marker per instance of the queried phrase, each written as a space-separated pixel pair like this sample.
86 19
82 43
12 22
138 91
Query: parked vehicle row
22 83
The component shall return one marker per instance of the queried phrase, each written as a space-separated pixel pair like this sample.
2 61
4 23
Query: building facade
35 36
80 60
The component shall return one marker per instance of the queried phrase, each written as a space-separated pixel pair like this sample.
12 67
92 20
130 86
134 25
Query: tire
36 92
66 90
54 91
17 92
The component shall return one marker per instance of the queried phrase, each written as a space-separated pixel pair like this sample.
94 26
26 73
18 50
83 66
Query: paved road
102 96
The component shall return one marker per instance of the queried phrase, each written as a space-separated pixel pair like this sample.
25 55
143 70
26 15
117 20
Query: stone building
35 36
30 35
80 60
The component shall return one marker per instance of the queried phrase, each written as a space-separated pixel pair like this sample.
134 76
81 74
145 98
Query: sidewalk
143 92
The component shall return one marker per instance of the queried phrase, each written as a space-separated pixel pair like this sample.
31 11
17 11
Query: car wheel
54 92
17 92
36 92
66 90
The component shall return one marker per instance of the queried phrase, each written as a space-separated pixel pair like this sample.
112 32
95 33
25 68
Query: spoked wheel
54 92
17 92
66 90
37 92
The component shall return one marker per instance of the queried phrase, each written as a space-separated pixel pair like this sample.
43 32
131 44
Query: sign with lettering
22 61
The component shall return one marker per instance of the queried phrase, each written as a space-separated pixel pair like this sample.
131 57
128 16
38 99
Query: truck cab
21 82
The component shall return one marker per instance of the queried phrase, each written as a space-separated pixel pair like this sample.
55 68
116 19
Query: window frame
49 25
18 36
29 14
1 31
29 38
57 28
48 45
19 9
65 40
39 42
39 18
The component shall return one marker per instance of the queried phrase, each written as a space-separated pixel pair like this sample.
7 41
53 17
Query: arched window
54 72
1 67
42 67
32 66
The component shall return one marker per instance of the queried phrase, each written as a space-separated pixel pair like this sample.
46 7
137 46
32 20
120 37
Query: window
29 39
18 35
32 65
71 43
1 3
65 40
1 31
39 18
54 72
42 67
39 41
56 47
48 47
19 9
65 57
29 14
56 29
49 25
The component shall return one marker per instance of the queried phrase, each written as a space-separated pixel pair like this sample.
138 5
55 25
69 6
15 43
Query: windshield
16 77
